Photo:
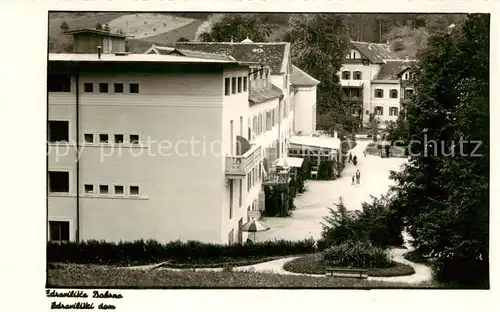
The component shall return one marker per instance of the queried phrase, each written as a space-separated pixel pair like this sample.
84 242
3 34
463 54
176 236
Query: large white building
375 81
164 147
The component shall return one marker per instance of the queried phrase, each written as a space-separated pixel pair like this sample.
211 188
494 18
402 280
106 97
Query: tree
443 192
98 26
64 26
319 45
182 39
238 27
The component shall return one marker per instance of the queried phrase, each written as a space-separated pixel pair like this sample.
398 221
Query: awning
285 162
325 142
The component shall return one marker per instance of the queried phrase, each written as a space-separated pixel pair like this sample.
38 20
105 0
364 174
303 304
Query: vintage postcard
265 150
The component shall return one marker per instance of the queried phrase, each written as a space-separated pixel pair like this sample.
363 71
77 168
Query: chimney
99 48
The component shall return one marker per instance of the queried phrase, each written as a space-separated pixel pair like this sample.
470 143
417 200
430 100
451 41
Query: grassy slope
89 276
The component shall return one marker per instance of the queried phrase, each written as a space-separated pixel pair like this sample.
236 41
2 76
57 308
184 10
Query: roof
265 94
375 52
92 57
326 142
95 31
161 50
299 77
392 69
274 54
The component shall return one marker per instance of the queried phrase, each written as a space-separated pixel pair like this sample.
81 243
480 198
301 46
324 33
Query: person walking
358 176
364 153
350 157
355 160
353 178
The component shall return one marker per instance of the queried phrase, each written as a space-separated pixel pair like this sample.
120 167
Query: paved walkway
312 205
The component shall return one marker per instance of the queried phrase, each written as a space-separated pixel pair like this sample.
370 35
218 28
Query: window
59 231
88 188
346 75
233 80
227 86
240 82
357 75
394 94
240 202
58 131
103 88
134 88
59 83
88 137
379 110
379 93
134 139
231 134
245 82
393 111
230 237
118 138
58 181
134 190
118 189
408 93
88 87
118 87
103 138
407 76
103 189
354 55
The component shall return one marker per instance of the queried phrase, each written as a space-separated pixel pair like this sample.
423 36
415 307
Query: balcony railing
278 176
239 166
353 98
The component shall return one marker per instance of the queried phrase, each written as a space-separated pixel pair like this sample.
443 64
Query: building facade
169 145
375 82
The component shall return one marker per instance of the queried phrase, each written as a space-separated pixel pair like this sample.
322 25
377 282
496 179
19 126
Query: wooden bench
347 272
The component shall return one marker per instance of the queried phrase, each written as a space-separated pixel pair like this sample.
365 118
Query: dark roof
273 54
263 95
375 52
392 69
95 31
300 78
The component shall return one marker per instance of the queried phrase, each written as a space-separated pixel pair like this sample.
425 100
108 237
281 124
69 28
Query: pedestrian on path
355 160
364 153
353 178
350 157
358 176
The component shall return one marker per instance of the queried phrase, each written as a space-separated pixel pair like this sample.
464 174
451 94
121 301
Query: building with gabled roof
375 81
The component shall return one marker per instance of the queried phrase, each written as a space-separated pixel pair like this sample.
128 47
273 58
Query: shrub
192 252
377 223
356 254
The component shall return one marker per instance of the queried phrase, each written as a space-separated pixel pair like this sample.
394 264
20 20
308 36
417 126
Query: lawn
106 277
314 264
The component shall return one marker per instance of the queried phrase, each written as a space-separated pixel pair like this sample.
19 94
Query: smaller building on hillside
88 41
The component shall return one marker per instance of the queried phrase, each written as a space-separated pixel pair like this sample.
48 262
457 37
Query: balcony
278 177
353 99
237 167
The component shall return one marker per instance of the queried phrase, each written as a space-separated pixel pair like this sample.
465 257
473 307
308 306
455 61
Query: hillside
167 28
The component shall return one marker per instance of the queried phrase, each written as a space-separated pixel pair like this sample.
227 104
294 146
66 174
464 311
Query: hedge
191 252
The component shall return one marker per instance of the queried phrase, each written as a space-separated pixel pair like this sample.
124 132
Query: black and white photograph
268 150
